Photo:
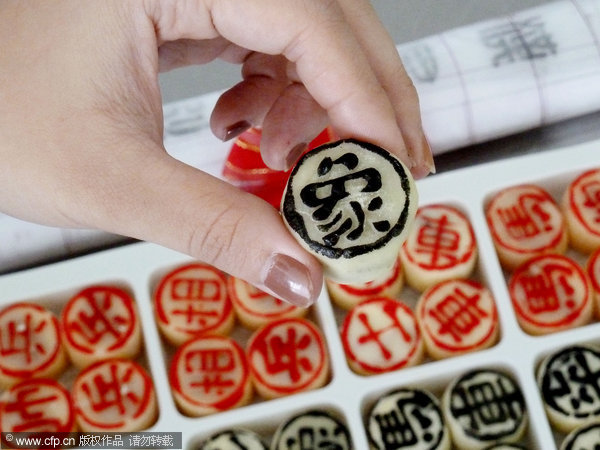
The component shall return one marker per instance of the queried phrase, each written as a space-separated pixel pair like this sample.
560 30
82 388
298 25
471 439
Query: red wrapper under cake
245 168
30 344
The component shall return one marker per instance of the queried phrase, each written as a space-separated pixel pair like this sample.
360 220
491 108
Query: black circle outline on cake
418 394
308 414
297 224
545 380
517 397
233 432
571 439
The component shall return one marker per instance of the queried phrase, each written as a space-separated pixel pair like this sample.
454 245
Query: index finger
315 36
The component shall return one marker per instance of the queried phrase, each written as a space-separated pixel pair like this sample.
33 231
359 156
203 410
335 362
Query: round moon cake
314 429
31 344
380 335
550 293
286 357
101 322
255 308
408 419
583 438
36 405
347 296
483 407
525 221
209 374
569 386
593 271
192 300
351 204
440 246
456 317
234 439
581 206
114 395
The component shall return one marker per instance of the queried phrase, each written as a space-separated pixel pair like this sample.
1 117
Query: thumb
185 209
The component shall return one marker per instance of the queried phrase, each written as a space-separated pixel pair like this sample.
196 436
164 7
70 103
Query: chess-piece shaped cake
351 204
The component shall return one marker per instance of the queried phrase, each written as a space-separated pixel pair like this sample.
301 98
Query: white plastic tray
139 266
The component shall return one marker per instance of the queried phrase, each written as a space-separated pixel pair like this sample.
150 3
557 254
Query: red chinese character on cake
114 395
550 293
457 316
581 203
192 300
30 344
101 322
35 406
441 246
525 221
210 374
287 356
380 335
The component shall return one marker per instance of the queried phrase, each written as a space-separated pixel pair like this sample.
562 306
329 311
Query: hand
81 117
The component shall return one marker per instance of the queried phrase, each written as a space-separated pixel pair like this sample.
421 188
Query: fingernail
236 129
289 280
294 154
429 163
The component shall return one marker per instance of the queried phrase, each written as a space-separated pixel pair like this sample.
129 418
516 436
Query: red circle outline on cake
288 307
546 197
368 367
58 388
54 353
593 270
433 336
408 252
148 391
126 301
232 399
158 298
366 290
573 187
263 333
525 267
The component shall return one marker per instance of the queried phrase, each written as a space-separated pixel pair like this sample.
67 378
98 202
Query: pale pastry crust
286 357
457 317
441 246
210 374
347 296
351 205
551 293
192 300
380 335
101 322
323 426
32 344
525 221
580 204
255 308
114 395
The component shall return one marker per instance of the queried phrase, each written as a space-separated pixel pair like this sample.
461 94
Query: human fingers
316 38
385 61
